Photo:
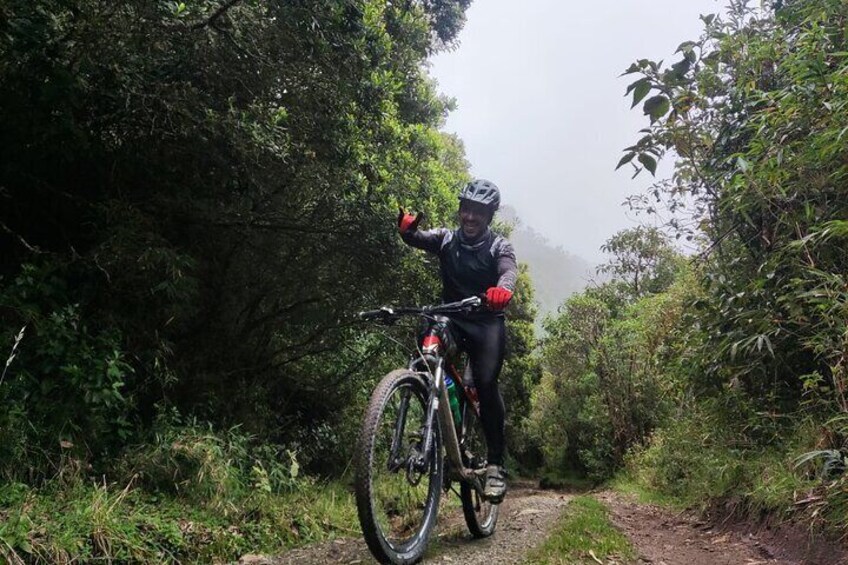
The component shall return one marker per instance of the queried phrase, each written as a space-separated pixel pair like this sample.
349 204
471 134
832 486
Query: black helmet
482 191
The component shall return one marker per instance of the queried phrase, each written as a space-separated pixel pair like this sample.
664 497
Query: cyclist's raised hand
498 297
407 222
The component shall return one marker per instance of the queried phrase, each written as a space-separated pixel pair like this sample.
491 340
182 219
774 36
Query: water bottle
453 398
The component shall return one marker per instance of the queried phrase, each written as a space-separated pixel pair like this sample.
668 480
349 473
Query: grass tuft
193 495
584 534
93 522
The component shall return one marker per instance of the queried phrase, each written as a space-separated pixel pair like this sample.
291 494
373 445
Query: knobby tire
481 517
371 466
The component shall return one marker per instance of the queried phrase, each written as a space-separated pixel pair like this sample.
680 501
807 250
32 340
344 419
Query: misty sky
541 106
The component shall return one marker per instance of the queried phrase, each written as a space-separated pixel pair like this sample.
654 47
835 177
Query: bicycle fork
438 408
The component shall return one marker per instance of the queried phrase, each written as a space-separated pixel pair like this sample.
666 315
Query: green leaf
633 68
633 85
648 162
624 160
640 90
639 65
685 47
680 68
294 469
656 107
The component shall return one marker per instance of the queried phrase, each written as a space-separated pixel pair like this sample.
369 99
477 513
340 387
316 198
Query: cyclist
476 261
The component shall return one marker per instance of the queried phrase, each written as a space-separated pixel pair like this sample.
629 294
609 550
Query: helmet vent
483 192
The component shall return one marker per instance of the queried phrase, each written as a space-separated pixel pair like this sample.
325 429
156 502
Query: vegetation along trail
197 198
543 526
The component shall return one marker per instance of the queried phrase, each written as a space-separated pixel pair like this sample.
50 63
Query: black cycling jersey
468 268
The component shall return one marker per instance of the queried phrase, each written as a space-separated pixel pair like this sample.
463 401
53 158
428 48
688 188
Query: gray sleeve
430 240
507 265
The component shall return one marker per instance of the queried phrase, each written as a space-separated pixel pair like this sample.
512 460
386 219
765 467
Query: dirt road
663 537
526 516
659 536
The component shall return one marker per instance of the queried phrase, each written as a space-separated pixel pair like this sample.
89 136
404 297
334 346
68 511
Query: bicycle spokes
399 496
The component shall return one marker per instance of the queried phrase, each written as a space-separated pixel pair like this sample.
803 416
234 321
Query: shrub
66 388
210 468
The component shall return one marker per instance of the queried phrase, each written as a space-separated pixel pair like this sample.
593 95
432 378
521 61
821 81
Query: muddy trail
661 536
528 515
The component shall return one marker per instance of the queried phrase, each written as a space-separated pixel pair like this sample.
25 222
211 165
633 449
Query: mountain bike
416 443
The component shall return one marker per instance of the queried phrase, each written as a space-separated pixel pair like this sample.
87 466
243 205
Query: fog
541 107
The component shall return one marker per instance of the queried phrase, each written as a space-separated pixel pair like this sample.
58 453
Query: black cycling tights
484 341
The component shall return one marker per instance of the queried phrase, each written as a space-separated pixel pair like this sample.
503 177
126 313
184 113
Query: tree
200 197
521 370
755 109
609 377
642 259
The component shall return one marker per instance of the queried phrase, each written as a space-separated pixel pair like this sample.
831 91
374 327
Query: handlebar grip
368 314
474 300
383 313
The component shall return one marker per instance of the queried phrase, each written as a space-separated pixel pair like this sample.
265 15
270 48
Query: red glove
408 222
498 297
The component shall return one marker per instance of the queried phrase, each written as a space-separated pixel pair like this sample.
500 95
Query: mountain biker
476 261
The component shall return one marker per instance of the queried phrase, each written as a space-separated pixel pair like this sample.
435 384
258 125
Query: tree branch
21 240
706 252
216 14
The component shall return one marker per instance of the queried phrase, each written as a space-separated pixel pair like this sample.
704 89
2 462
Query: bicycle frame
438 399
431 368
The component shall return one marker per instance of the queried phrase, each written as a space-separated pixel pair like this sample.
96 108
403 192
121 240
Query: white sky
541 106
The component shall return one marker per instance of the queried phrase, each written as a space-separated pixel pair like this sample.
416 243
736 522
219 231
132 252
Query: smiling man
475 261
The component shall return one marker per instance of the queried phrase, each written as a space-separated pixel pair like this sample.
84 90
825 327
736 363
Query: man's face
474 218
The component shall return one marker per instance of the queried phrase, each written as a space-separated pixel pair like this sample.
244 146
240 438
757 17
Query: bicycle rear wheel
481 516
397 500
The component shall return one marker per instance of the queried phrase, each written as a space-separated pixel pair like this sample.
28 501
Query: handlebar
388 313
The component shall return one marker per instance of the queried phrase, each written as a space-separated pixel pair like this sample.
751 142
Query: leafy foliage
605 360
642 262
190 496
201 195
521 371
754 110
756 116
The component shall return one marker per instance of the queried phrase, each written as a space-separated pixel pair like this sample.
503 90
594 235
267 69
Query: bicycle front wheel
397 497
481 516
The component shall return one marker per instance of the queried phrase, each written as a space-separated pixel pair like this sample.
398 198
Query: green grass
88 522
627 484
583 531
688 466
